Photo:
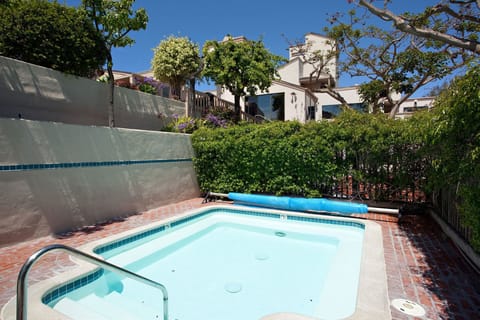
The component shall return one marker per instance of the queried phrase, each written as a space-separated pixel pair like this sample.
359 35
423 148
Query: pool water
229 266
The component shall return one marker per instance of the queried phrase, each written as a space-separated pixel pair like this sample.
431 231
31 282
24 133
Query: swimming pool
234 263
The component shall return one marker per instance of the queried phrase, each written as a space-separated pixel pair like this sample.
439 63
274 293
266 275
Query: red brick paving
422 264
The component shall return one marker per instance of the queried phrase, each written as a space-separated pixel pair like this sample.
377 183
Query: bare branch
403 25
446 9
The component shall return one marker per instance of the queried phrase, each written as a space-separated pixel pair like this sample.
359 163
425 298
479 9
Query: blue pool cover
298 204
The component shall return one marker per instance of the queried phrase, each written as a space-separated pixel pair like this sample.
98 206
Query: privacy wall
56 177
32 92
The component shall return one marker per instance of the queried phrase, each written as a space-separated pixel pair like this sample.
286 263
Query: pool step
141 309
75 310
96 307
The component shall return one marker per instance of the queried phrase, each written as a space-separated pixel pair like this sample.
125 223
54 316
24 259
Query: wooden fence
205 102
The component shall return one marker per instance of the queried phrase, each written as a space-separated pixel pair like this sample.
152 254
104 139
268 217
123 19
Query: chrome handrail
22 276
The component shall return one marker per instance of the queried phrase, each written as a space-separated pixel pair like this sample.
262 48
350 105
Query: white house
409 106
298 96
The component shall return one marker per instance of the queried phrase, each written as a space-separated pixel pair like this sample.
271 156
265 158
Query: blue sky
275 22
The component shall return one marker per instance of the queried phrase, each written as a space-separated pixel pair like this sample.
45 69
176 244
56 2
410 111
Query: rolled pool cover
299 204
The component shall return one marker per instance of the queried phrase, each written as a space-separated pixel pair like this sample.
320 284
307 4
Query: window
310 113
269 106
414 108
333 110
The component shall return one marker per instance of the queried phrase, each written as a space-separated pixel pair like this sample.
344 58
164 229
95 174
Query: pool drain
261 256
233 287
408 307
280 234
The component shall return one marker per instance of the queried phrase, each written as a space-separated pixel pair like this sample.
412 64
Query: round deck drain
408 307
233 287
280 234
261 256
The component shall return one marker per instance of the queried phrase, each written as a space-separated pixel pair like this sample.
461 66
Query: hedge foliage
454 146
289 158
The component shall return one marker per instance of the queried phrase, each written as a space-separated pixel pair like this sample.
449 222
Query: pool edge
372 298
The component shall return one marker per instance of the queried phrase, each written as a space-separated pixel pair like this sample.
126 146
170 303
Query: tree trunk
190 103
337 96
111 81
176 90
394 110
237 108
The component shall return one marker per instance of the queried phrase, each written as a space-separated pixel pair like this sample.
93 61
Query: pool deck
422 264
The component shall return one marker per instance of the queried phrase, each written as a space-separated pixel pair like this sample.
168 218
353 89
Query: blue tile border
78 283
328 221
40 166
71 286
120 243
139 236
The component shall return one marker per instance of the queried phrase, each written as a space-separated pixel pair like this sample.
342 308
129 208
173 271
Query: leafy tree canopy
452 23
113 20
241 66
454 144
457 128
176 60
391 60
51 35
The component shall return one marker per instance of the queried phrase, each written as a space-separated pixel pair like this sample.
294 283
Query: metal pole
383 210
216 194
22 276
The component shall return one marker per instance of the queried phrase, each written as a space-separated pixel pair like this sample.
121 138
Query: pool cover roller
299 204
302 204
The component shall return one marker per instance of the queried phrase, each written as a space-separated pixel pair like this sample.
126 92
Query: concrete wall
37 93
56 177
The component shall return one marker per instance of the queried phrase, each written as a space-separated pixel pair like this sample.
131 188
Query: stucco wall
56 177
37 93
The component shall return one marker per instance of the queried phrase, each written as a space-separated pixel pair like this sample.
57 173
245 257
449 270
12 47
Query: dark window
414 108
333 110
268 106
310 113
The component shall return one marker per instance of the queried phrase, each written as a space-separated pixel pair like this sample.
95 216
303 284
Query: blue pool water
228 266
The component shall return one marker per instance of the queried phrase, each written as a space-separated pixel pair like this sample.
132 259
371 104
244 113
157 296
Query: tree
241 66
455 23
393 62
176 60
113 20
50 35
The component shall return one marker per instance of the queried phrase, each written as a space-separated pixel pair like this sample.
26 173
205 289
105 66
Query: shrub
182 124
289 158
148 85
213 121
454 143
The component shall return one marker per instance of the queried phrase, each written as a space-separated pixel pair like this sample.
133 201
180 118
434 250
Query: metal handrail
22 276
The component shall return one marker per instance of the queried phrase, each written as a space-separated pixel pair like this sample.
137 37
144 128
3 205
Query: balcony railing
205 102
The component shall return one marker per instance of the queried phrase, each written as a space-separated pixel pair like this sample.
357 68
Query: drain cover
233 287
408 307
261 256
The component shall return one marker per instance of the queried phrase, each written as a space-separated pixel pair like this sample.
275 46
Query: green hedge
289 158
454 147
